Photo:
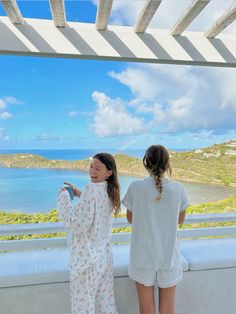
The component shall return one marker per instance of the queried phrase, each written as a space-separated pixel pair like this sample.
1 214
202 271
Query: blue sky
66 103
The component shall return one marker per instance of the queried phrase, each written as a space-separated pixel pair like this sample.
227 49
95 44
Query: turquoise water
34 190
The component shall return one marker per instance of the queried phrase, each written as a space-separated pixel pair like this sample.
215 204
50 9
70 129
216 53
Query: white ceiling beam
13 11
192 12
58 12
146 15
103 14
224 21
41 38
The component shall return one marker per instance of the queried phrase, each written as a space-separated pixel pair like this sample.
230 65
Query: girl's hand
77 192
69 184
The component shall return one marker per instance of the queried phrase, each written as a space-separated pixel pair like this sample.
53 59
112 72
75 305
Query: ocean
31 190
73 154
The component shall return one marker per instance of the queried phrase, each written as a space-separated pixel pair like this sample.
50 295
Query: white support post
224 21
58 12
146 15
103 14
13 11
192 12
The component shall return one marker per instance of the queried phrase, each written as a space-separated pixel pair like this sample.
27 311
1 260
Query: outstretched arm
78 217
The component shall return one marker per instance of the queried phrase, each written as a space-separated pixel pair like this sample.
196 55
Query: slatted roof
59 37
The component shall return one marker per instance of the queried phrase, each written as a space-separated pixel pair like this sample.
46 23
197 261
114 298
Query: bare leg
146 299
166 300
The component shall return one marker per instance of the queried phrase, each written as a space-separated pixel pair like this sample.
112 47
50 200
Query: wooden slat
24 229
224 21
55 227
207 232
12 11
215 217
103 14
32 244
192 12
58 12
146 15
120 43
123 237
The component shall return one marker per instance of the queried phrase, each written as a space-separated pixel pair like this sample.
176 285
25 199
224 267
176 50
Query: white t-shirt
89 224
154 243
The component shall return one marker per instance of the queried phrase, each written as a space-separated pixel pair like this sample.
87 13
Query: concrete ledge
36 282
210 253
34 267
200 292
51 265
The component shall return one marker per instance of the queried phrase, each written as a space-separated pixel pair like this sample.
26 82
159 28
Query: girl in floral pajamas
89 225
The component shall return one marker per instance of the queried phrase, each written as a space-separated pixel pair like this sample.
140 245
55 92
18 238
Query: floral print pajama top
89 225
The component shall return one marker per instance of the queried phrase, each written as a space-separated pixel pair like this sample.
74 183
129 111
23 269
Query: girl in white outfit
90 225
155 206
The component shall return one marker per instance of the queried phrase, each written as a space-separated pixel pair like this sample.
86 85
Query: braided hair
156 161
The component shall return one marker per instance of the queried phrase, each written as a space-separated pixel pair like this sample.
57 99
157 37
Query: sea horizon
77 153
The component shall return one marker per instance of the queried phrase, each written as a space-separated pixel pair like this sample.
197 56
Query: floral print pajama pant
92 291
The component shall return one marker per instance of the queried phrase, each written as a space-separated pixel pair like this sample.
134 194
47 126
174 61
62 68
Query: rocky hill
215 164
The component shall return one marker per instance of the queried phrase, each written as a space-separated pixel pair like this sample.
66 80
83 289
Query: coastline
215 165
60 165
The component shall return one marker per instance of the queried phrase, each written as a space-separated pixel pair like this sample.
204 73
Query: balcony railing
121 237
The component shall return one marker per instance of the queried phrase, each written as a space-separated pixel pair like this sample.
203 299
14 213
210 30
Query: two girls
155 206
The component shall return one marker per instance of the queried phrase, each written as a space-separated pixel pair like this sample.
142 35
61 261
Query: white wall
201 292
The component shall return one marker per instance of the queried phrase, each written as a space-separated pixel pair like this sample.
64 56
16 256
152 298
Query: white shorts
163 278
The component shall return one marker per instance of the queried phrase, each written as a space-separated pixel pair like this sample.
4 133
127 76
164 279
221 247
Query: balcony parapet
122 237
38 268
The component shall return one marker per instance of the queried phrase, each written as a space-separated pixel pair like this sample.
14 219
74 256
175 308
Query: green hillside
215 164
225 205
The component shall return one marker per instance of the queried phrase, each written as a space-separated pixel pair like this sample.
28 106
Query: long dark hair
157 161
113 188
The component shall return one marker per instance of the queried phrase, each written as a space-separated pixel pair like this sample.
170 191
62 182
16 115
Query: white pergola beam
41 38
192 12
103 14
224 21
58 12
146 15
12 11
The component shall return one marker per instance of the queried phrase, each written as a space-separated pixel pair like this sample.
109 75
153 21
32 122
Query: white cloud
185 99
138 80
5 115
112 118
2 104
12 100
73 114
9 100
3 136
46 137
180 107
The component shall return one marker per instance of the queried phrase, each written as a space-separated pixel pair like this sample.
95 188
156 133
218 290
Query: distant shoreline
215 165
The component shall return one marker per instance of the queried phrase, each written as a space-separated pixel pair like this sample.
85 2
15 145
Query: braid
158 180
156 161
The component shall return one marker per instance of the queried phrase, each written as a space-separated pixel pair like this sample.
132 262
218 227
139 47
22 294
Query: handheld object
71 192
